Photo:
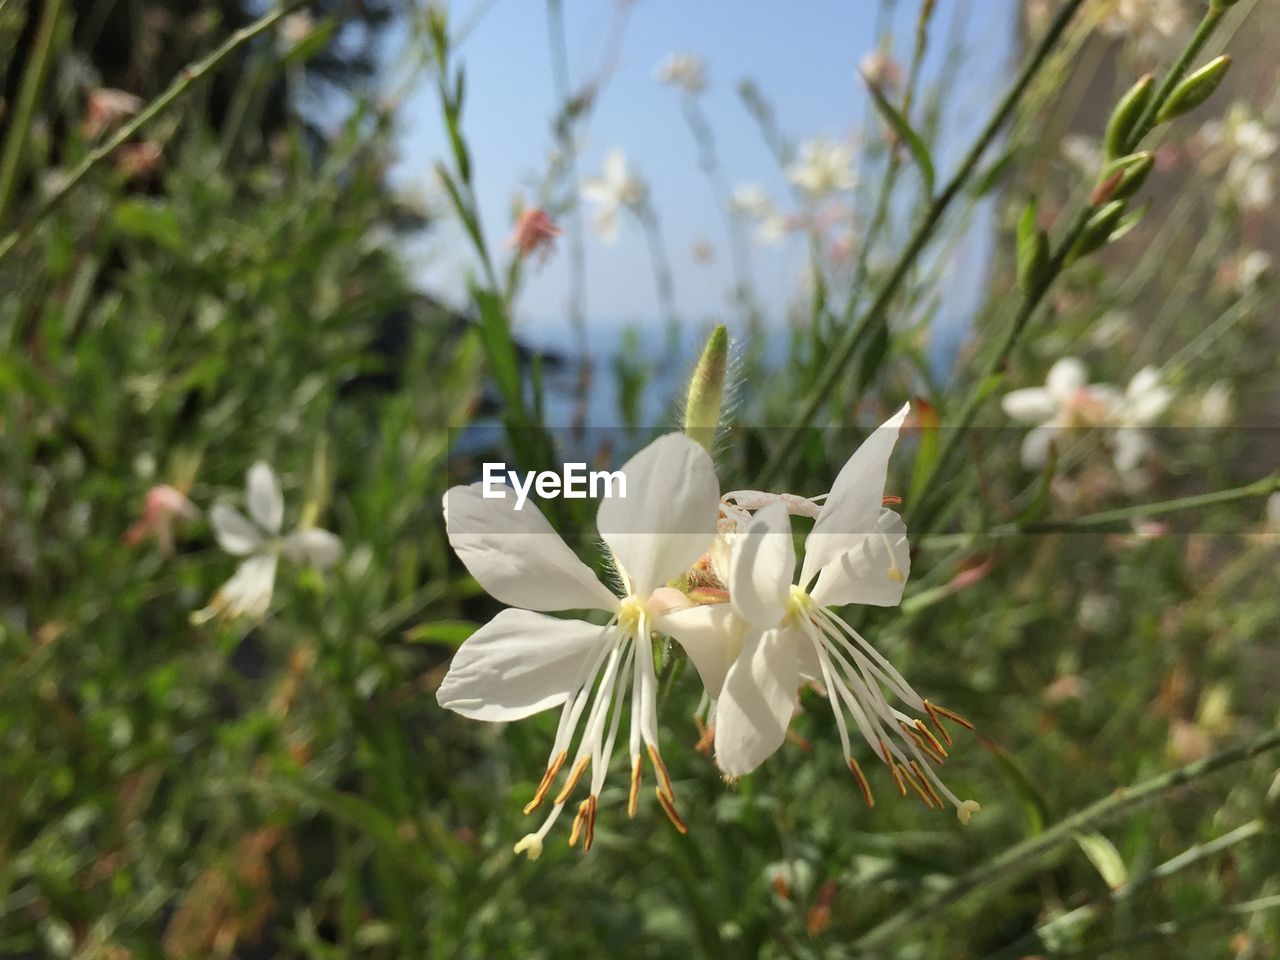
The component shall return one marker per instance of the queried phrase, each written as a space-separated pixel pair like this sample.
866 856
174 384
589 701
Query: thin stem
187 77
1044 935
1017 861
15 144
843 351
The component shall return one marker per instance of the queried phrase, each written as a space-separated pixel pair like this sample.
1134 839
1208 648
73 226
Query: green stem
1020 859
15 144
1046 934
187 77
844 350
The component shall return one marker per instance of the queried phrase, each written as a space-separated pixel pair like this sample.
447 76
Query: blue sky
803 57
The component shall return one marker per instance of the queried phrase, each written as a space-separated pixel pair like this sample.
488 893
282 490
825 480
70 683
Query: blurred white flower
1111 329
822 168
1253 268
108 108
881 69
294 29
856 552
614 189
1244 147
248 592
683 71
523 662
1150 24
750 200
1144 402
1215 406
1066 400
1083 152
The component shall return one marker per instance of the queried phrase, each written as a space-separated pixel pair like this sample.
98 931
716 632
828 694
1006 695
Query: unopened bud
706 389
1123 178
1194 90
1033 251
1098 230
1125 117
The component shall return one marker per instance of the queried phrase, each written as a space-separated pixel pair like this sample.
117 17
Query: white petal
1066 377
320 548
761 567
248 592
266 502
757 702
234 533
1131 448
1035 446
1146 398
711 634
1032 405
518 664
874 572
516 555
856 499
667 520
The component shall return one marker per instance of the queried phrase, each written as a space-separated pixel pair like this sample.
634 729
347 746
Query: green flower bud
1098 230
706 389
1122 178
1033 251
1194 90
1126 115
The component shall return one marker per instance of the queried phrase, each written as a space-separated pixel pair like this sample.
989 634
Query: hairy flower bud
706 389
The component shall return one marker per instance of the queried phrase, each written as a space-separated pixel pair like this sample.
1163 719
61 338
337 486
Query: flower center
799 606
630 612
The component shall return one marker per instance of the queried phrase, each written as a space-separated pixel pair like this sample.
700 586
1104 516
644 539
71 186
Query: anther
634 799
893 768
927 785
545 785
937 722
661 769
950 715
935 749
669 808
861 777
578 770
920 791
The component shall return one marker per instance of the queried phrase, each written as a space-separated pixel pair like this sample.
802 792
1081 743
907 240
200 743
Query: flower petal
757 702
516 555
711 634
856 499
320 548
1032 405
518 664
248 592
667 520
874 572
234 533
761 567
1066 377
1035 445
266 502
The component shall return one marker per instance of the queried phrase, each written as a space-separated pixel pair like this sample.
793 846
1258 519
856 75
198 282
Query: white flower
823 167
683 70
1244 146
1145 400
879 68
1215 406
1151 23
523 662
750 200
1066 400
248 592
856 552
1252 270
614 189
1083 152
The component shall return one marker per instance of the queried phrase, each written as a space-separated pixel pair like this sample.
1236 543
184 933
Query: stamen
937 722
951 715
634 799
584 823
545 785
661 769
893 768
924 795
925 783
928 735
890 501
669 808
578 770
861 777
577 822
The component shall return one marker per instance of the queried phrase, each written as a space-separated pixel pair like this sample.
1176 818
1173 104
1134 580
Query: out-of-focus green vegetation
224 288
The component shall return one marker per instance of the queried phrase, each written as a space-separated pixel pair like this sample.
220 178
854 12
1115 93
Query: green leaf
919 151
874 354
446 633
312 43
143 219
1034 804
1102 853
